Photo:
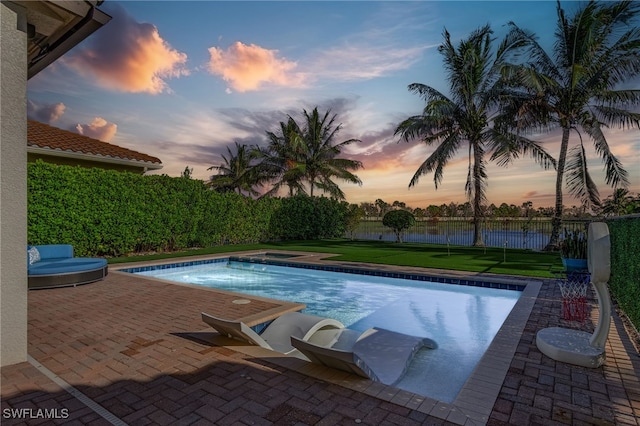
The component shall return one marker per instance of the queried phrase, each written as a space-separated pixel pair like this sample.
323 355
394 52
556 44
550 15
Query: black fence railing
523 233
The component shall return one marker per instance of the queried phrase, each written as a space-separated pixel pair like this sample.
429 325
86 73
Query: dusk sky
183 80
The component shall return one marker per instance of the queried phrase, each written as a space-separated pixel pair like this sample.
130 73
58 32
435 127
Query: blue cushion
66 265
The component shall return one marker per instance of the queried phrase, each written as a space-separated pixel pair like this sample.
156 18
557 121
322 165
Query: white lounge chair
377 354
276 336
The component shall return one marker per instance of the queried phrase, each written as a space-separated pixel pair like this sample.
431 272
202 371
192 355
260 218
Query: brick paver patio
125 346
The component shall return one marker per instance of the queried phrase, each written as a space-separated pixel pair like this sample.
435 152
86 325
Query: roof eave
146 165
91 22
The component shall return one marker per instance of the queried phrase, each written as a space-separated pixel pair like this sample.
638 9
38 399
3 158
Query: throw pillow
34 255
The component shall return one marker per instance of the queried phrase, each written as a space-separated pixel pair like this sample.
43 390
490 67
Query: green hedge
625 265
111 213
309 218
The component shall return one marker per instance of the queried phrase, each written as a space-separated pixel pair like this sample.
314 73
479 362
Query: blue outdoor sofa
53 265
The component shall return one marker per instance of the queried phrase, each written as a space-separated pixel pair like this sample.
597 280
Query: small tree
353 218
398 220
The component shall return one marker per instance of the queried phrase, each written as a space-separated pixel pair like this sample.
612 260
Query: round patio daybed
53 265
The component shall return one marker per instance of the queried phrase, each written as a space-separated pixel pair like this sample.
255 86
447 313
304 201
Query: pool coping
473 404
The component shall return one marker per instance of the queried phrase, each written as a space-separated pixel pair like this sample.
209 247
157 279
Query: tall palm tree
321 162
308 154
281 161
578 86
470 115
237 173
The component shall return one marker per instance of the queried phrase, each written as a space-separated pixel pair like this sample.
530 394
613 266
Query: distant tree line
620 203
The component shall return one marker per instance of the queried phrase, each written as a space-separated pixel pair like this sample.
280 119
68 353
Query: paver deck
122 351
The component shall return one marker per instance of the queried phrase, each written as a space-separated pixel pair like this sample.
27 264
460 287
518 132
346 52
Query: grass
471 259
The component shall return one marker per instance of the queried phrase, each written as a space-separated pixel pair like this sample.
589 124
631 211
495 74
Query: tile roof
41 135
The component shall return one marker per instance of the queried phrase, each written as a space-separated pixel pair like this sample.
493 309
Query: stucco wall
13 186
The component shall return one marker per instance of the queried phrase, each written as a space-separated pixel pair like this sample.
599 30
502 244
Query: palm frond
339 145
330 187
514 44
536 57
615 63
615 174
621 98
616 117
427 93
411 128
437 160
507 146
339 165
579 181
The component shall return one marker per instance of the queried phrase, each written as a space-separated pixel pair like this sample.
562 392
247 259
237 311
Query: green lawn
518 262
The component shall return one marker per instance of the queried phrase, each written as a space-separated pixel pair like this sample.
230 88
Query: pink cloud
46 113
129 56
99 129
247 67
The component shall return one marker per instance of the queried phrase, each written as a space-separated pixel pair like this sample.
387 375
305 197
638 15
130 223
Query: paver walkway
123 345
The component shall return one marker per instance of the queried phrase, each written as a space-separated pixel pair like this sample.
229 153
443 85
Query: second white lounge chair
377 354
276 336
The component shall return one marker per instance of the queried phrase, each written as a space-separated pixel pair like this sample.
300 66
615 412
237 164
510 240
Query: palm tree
321 162
309 154
237 173
281 161
578 86
382 206
470 115
618 203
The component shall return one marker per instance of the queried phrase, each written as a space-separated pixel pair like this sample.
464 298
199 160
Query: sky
182 81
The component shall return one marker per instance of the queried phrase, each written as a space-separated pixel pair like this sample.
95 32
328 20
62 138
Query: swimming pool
462 319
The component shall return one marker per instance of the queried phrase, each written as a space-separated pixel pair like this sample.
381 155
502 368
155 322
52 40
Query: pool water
463 320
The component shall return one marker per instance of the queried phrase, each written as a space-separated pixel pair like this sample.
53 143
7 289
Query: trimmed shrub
625 265
398 220
110 213
308 218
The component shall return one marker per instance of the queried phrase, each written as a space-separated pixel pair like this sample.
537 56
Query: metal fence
523 233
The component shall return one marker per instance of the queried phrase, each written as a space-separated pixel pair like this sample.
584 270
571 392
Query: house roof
45 139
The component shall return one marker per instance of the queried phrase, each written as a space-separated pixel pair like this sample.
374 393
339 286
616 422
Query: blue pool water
463 320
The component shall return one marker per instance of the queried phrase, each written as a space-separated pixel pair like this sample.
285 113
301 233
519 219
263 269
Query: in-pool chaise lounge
53 265
276 336
377 354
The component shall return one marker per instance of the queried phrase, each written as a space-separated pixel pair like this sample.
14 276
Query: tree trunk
477 199
312 183
556 222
